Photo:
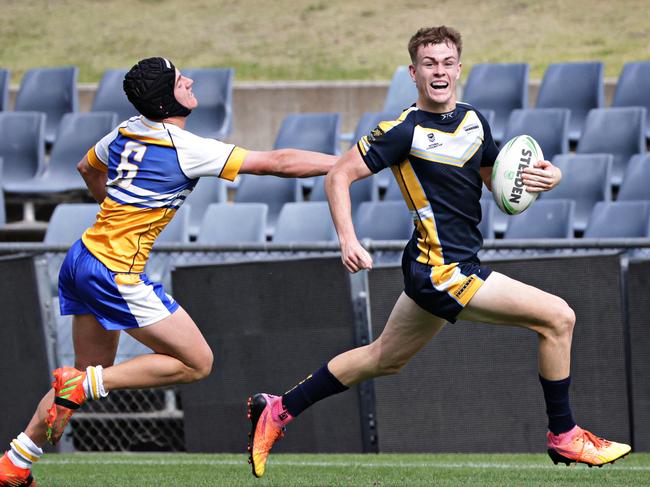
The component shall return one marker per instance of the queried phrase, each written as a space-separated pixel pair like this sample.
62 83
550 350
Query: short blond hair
434 35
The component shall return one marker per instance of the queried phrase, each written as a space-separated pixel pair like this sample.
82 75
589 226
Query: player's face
436 72
183 91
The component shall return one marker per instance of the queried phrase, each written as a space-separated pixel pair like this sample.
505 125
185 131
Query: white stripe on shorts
145 306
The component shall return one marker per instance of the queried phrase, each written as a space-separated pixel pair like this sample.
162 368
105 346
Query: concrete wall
259 107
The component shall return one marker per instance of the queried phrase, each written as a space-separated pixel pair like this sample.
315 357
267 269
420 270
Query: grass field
162 470
314 39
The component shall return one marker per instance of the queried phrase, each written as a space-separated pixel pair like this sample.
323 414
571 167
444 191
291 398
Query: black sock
556 395
317 386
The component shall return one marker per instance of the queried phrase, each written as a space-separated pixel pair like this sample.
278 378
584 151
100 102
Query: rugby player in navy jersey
140 173
440 152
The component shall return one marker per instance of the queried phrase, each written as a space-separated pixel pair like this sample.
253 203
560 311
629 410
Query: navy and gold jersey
152 167
435 158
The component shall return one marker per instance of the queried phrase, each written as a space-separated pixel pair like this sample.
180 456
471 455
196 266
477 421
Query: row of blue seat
53 91
503 87
616 131
499 87
300 222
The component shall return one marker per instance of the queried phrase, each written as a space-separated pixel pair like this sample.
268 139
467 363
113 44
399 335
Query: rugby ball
508 187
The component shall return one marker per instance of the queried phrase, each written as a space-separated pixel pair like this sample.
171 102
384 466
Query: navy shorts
119 301
443 290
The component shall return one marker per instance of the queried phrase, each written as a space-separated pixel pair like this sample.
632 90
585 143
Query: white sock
94 383
24 452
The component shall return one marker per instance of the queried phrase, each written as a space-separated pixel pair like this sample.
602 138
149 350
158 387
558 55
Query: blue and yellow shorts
443 290
119 301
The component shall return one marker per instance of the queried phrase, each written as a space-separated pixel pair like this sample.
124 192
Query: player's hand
543 176
355 257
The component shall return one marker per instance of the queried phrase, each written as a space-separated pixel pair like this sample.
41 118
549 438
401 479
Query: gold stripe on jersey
146 140
94 161
122 242
233 164
416 200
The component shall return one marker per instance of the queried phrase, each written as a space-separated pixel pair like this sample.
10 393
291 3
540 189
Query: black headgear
149 86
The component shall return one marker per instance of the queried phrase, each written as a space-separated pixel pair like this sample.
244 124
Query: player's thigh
93 344
178 336
408 329
506 301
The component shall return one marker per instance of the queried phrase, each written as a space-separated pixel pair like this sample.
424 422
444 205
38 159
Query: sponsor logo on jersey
433 144
469 128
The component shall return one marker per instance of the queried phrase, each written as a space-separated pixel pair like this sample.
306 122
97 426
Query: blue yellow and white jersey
436 159
152 167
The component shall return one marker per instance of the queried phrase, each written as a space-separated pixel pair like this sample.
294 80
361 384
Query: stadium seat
22 145
207 191
619 219
49 90
178 229
548 126
77 133
576 86
362 190
402 92
69 221
636 180
317 132
485 225
273 191
501 87
383 220
305 221
632 88
617 131
5 79
213 88
585 180
544 219
110 96
226 223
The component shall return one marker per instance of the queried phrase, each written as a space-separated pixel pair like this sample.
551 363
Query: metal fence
152 420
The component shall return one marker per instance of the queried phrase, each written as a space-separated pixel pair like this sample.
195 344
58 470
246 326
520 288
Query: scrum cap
149 86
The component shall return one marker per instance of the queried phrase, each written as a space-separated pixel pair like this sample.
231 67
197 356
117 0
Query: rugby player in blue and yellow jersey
140 173
440 152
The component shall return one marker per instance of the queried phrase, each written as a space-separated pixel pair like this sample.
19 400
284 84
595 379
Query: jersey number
126 170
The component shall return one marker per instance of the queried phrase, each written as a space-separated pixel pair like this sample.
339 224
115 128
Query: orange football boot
581 446
69 395
12 476
265 431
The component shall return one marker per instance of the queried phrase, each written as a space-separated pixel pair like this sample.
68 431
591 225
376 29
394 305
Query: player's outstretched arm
348 169
544 176
94 178
288 163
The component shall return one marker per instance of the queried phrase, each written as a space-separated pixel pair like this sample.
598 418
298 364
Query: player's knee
202 365
562 319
